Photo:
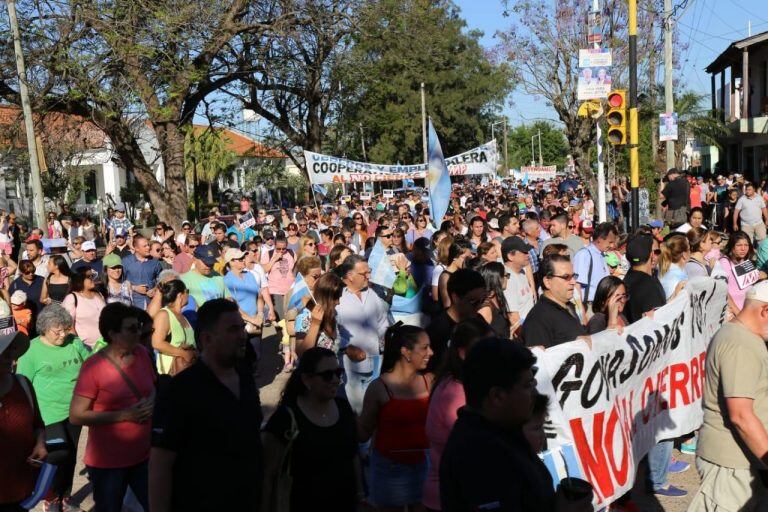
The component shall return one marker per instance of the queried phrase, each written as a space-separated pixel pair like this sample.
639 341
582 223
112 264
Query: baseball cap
207 254
656 223
639 248
586 226
494 223
88 246
759 292
611 259
19 297
111 260
8 338
31 238
120 207
120 233
233 254
514 243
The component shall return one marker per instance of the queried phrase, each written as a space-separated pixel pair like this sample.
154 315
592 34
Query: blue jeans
110 485
658 465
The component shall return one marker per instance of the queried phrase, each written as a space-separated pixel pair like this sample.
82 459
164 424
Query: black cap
639 248
514 243
207 254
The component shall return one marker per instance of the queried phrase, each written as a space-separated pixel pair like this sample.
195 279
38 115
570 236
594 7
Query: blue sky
708 26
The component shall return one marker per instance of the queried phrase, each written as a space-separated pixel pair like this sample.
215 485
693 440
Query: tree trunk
210 192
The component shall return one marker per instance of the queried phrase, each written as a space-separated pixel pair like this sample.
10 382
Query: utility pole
602 210
38 201
506 154
424 123
669 106
634 164
533 152
541 159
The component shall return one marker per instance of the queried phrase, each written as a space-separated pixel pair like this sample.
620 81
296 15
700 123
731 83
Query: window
11 190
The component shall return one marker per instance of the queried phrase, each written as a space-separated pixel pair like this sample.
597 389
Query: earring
408 359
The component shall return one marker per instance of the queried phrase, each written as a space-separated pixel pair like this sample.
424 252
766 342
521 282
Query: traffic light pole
634 164
602 209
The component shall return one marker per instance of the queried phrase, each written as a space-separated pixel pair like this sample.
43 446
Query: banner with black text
610 404
324 169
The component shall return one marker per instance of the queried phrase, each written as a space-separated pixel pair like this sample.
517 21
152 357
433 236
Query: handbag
284 481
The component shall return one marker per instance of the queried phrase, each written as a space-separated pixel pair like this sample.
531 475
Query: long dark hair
61 264
735 238
465 335
308 362
605 288
170 290
493 275
397 337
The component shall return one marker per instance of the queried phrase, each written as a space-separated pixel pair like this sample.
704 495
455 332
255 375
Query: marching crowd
419 394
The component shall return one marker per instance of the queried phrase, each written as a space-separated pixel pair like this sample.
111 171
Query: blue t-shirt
242 236
245 291
141 273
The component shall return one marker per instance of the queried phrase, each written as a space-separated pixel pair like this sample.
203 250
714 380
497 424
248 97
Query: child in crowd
22 314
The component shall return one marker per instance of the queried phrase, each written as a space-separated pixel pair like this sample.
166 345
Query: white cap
18 297
233 254
759 292
181 238
88 246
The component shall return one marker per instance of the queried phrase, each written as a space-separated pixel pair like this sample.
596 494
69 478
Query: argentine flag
438 178
298 291
382 271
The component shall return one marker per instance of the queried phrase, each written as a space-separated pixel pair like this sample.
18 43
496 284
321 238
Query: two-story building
739 87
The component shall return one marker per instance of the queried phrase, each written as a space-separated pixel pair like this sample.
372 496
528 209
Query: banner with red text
332 169
610 404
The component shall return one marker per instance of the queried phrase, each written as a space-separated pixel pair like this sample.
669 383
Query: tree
295 84
543 44
138 70
399 45
554 148
207 156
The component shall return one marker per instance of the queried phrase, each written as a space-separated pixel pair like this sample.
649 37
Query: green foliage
207 152
398 45
272 174
554 147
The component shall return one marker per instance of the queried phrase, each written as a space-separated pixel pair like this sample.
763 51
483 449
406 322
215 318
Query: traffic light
617 117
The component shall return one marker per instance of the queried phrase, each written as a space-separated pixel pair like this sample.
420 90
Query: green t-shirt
204 288
53 372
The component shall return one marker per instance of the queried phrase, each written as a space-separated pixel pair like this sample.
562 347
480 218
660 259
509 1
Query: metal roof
733 54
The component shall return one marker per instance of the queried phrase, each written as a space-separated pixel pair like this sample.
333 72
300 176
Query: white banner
536 172
610 404
331 169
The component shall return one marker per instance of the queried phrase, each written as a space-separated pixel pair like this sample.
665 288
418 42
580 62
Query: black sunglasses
328 375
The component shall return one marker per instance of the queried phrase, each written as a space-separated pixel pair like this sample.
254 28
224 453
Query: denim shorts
394 484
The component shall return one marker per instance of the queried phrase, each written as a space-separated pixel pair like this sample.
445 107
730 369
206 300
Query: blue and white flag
407 305
525 180
408 183
42 486
382 271
319 189
438 178
298 291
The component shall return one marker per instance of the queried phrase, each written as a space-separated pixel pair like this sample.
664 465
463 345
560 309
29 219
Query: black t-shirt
677 193
96 265
484 465
322 459
216 439
440 330
550 324
645 294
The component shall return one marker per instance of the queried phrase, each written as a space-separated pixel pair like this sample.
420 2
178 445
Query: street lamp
533 150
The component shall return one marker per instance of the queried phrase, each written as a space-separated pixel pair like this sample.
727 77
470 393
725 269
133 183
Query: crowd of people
152 343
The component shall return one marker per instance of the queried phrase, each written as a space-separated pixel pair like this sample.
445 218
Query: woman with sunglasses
75 249
56 285
323 456
307 247
398 240
114 397
359 230
84 303
114 285
395 410
419 230
30 283
169 252
608 307
292 235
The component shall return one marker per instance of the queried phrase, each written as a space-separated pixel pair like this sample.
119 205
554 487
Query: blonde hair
303 240
672 251
444 249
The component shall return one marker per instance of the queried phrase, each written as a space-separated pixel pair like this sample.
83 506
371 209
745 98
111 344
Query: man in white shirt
363 318
518 294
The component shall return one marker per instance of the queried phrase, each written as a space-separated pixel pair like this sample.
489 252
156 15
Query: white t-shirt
751 209
439 269
518 293
260 275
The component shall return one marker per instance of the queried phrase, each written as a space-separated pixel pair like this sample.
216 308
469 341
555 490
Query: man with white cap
90 258
733 440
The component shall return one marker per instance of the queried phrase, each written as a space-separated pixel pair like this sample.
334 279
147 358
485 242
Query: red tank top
400 431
